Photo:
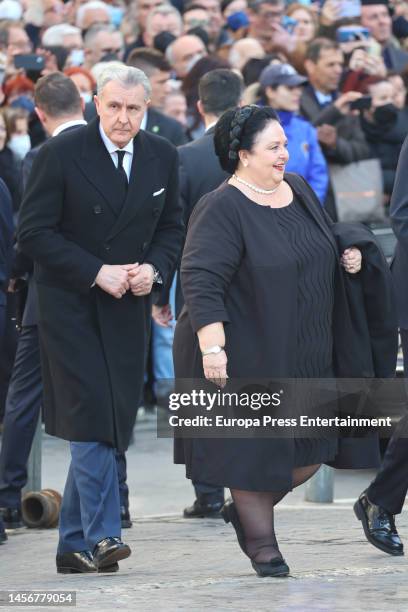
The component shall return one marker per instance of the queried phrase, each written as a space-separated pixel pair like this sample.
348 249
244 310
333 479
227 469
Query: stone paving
195 565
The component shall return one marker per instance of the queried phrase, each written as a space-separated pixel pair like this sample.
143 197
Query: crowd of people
310 61
326 83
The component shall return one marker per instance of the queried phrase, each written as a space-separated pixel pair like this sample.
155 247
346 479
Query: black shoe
75 563
203 510
108 551
3 535
109 569
379 526
11 518
125 518
230 515
276 567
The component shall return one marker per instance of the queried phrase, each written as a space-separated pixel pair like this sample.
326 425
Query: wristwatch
156 274
213 350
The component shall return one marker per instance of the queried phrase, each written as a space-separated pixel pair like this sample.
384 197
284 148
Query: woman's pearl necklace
256 189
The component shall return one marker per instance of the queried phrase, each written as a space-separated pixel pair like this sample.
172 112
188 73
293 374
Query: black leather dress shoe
75 563
379 526
200 509
109 569
125 518
11 518
109 551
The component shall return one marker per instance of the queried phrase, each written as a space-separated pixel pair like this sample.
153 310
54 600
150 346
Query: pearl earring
245 163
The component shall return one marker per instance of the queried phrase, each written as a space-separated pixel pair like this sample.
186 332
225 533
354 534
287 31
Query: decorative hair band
237 125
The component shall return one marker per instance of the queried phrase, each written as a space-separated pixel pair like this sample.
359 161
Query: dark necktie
121 170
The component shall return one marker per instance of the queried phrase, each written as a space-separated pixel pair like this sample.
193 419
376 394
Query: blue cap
237 21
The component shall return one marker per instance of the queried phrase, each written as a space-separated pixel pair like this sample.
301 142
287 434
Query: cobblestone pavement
195 565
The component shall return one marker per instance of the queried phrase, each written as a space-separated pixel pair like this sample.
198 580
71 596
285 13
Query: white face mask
76 57
87 97
20 144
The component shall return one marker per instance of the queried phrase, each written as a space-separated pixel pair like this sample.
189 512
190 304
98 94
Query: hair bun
238 121
235 132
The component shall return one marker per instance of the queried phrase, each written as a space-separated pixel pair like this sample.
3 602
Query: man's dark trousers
390 486
208 494
122 477
20 419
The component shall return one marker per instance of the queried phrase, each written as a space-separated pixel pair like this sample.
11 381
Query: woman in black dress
258 274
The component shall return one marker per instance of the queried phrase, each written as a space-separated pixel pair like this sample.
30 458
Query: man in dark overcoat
377 506
101 219
59 108
6 259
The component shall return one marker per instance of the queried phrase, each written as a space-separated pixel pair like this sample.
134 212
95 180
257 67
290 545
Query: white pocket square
156 193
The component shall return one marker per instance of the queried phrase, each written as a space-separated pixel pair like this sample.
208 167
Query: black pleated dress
268 274
316 266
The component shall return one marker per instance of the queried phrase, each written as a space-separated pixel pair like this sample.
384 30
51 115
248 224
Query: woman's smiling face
266 161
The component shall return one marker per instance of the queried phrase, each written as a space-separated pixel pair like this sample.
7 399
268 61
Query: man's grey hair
168 54
164 9
95 30
54 36
127 76
92 4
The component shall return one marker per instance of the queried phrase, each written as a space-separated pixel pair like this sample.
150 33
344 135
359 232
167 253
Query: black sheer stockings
256 514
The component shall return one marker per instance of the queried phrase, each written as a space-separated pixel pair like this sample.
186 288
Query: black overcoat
399 218
93 346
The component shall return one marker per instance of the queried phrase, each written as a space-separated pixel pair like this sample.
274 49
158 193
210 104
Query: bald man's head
184 52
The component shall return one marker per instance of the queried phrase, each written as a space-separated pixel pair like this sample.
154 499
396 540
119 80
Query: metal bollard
320 488
34 462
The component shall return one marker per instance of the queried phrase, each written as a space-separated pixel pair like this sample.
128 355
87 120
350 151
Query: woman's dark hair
253 68
237 129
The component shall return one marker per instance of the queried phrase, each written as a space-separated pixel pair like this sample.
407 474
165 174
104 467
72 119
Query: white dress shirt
66 125
323 98
112 148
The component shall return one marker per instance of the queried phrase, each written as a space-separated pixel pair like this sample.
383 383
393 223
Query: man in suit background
101 220
6 259
6 250
384 498
59 109
200 173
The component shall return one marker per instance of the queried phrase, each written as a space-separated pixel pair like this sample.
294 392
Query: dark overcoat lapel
143 176
97 166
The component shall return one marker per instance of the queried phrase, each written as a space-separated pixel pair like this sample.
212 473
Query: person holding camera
338 129
385 127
